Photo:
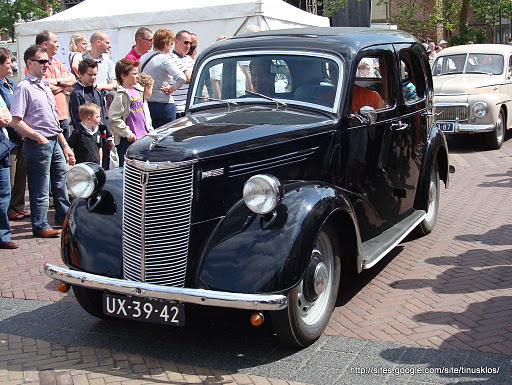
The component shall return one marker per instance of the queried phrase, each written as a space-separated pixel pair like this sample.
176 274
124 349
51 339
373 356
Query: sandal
15 215
23 212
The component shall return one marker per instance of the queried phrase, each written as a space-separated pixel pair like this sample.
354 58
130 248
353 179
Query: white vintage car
473 91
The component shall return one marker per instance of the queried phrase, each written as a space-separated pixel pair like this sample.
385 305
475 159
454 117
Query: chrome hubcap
312 310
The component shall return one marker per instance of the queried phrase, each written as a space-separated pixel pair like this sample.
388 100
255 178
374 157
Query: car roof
352 36
476 48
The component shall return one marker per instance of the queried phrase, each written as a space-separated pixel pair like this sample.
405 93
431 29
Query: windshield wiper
277 102
206 98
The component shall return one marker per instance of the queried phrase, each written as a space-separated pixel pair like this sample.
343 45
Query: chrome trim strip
196 296
190 105
152 166
144 178
413 226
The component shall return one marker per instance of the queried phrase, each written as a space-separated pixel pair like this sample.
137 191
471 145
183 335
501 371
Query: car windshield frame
468 68
280 54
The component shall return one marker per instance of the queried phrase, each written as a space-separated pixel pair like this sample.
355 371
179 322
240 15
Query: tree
452 14
28 9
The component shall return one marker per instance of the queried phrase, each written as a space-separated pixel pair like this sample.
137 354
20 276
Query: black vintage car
305 156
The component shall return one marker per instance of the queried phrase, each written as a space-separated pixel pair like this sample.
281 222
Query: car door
415 116
373 163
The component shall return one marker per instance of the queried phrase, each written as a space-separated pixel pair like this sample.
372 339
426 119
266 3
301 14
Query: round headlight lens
81 181
480 109
262 193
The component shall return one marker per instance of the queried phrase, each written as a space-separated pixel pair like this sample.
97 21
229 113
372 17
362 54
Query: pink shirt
136 119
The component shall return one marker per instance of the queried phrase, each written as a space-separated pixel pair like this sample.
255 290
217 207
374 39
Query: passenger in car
366 97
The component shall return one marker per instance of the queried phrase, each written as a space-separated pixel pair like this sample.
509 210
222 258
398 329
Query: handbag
5 147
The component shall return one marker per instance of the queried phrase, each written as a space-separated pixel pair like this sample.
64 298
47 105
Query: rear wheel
432 206
91 301
496 138
311 302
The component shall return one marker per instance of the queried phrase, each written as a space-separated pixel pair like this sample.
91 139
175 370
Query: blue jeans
46 166
162 113
5 198
64 124
121 150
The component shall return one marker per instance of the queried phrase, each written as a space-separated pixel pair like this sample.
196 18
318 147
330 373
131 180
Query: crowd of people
109 105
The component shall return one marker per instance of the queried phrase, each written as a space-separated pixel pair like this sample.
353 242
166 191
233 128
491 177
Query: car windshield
469 63
269 78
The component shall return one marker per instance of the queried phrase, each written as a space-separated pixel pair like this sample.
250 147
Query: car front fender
250 253
92 236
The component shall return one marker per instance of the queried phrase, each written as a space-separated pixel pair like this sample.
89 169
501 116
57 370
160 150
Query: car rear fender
250 253
437 149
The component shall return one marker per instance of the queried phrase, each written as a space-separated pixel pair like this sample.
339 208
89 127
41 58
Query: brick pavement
451 289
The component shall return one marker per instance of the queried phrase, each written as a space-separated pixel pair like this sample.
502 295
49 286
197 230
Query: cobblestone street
444 300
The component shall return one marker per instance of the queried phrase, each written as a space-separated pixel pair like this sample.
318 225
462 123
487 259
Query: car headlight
84 179
262 193
480 109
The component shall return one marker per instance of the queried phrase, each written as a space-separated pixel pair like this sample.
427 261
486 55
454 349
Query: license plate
144 309
446 127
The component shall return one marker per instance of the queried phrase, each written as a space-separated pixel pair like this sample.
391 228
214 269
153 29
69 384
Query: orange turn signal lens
257 319
63 287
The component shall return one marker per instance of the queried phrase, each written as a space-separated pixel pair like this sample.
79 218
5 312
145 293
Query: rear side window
373 83
412 79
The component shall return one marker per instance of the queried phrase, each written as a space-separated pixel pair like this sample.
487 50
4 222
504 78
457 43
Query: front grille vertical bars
157 211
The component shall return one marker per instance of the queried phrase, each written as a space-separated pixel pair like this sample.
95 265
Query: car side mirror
369 114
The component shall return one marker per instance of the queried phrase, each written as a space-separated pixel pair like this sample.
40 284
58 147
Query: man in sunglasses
46 150
143 43
185 63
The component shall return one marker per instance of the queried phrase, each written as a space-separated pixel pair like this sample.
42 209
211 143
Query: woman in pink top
126 113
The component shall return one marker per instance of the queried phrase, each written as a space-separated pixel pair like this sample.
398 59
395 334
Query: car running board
376 248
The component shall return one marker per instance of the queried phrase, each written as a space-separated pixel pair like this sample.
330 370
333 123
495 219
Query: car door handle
399 126
428 113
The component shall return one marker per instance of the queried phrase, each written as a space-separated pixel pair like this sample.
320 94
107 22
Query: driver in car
262 79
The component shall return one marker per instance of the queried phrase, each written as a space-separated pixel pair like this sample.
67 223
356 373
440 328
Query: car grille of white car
452 112
157 205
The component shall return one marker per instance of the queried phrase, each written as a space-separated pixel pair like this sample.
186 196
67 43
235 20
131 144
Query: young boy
86 139
86 92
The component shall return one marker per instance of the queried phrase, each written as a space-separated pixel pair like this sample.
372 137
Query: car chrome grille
157 205
452 112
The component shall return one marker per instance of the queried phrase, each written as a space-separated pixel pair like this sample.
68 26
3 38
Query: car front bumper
141 289
464 128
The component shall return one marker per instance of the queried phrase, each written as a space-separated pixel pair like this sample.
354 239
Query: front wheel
432 207
496 138
311 302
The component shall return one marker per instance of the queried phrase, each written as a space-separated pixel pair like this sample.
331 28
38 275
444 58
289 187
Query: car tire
496 138
304 320
432 207
91 301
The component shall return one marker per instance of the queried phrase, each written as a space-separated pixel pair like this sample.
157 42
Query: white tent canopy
121 18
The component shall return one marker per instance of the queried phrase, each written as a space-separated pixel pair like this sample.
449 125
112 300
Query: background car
290 171
473 91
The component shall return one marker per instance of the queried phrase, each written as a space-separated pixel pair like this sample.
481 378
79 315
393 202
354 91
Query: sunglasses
143 38
40 61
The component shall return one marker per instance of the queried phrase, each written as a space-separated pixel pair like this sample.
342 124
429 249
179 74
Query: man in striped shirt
185 63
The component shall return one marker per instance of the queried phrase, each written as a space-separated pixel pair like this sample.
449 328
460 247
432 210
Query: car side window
412 80
372 83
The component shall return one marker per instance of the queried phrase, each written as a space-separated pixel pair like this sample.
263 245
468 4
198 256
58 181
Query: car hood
462 83
221 131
